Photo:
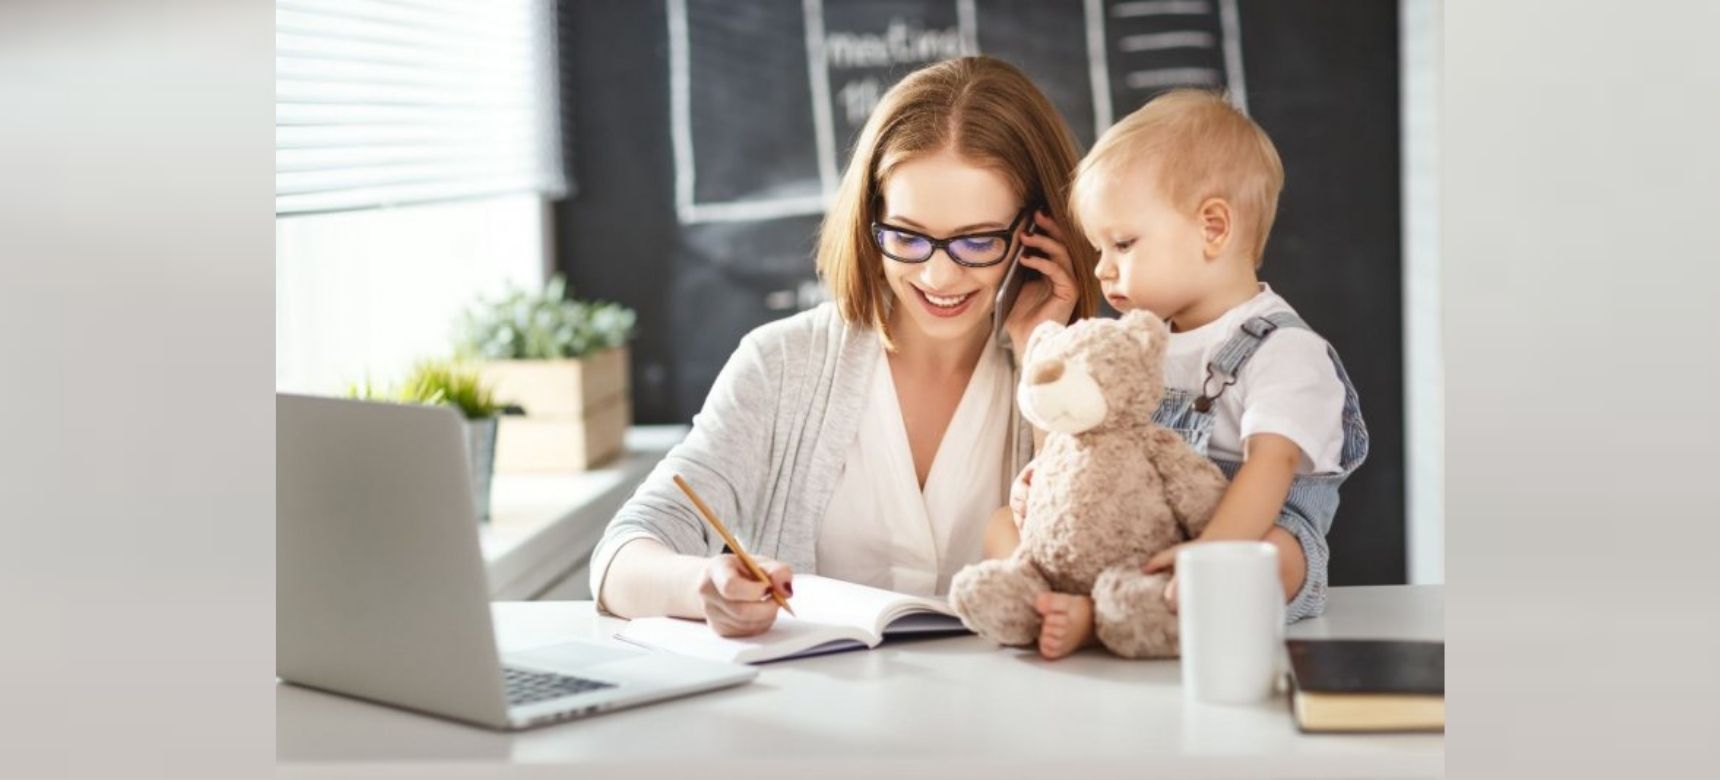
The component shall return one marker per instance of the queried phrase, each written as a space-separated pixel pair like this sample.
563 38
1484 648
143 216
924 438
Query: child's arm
1251 504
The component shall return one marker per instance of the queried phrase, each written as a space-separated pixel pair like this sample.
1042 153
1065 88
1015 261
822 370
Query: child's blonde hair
1197 146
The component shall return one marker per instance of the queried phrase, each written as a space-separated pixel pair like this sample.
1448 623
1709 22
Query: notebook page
789 637
825 600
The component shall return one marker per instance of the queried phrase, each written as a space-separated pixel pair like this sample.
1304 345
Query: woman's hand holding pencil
736 604
741 593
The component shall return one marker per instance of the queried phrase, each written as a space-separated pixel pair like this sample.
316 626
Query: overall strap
1227 364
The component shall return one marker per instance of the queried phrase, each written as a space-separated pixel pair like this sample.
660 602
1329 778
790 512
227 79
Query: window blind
385 102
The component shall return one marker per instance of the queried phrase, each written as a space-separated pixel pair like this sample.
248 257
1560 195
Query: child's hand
1018 495
1167 560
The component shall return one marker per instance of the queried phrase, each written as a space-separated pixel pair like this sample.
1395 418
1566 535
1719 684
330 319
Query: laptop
380 583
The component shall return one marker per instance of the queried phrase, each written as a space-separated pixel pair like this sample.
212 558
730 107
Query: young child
1179 198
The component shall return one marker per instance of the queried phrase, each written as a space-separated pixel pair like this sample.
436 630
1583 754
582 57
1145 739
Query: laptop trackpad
570 655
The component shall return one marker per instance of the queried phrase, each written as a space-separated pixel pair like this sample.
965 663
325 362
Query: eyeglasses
972 250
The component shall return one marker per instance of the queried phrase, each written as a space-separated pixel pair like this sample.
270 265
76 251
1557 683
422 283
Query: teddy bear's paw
995 599
1130 614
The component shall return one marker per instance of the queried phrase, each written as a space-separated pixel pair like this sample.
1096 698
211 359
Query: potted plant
459 386
565 363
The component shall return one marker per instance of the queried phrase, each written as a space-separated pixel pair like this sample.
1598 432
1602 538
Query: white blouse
881 529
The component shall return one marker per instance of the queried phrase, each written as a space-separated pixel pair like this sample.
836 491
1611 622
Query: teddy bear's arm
1193 484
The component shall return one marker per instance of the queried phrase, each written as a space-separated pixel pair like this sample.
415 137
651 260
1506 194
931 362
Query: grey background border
136 370
1579 212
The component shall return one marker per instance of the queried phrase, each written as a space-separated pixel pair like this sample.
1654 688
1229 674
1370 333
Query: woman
872 438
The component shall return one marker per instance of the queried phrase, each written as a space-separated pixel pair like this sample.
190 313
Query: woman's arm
1001 535
651 555
648 578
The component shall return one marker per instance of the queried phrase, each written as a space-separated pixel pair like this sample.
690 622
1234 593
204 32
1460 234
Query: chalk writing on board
766 97
899 44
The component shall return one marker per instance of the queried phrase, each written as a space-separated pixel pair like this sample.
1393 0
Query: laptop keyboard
525 686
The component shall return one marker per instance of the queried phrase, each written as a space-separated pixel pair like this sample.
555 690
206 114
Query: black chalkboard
705 133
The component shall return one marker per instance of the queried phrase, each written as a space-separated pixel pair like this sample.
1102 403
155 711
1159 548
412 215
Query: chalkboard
706 136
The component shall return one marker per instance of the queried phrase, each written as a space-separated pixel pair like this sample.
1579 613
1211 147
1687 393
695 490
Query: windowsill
543 527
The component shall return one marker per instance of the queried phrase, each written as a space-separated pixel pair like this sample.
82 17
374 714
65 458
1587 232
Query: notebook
1367 685
833 616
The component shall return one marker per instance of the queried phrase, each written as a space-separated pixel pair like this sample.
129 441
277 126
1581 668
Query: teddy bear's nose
1045 372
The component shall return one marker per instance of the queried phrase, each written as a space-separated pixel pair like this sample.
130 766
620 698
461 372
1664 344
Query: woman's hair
989 113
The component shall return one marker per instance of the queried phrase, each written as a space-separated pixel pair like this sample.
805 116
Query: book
1348 685
833 616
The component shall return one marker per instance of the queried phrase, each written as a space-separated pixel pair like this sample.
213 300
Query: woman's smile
945 305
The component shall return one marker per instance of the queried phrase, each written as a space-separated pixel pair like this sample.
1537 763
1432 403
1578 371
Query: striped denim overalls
1313 499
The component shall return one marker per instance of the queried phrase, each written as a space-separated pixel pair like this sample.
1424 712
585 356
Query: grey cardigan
767 449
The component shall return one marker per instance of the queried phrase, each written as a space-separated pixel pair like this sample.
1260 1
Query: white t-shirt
881 529
1289 387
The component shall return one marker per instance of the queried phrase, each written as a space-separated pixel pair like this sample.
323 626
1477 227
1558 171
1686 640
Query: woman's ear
1217 226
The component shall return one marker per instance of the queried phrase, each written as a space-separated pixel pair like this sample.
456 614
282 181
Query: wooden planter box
577 412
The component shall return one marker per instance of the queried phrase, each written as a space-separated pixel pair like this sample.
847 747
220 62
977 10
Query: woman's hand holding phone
1049 294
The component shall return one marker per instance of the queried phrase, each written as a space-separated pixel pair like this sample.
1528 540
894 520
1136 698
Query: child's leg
1068 624
1302 559
1001 535
1292 562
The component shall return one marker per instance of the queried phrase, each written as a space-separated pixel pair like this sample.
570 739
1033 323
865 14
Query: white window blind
384 102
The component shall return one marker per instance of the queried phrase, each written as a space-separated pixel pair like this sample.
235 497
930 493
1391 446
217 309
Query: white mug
1230 615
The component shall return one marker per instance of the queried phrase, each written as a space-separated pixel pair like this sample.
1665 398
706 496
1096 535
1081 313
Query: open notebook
833 615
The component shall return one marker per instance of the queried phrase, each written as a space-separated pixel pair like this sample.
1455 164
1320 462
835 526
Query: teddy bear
1110 489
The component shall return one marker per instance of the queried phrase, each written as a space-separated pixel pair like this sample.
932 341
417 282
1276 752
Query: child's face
1151 254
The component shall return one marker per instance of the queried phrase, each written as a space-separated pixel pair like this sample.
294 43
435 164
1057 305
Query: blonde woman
872 439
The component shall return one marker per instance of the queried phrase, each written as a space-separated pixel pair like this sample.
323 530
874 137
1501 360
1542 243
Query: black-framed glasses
973 250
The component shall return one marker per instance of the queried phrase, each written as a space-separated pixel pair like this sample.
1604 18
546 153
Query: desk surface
919 706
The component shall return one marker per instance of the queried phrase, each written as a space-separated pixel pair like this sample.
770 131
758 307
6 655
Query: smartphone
1013 279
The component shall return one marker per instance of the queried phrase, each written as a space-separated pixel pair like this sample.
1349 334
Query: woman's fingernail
788 588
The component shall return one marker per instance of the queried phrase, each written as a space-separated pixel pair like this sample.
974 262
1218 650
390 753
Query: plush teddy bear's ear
1147 328
1045 330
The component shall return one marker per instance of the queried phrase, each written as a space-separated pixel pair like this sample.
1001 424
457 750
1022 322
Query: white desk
913 708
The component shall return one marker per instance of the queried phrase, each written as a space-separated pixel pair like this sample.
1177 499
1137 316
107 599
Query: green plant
450 383
367 391
542 325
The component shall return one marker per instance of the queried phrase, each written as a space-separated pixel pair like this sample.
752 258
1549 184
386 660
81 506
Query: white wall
368 292
1424 361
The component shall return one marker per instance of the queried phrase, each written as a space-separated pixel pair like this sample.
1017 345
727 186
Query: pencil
734 544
